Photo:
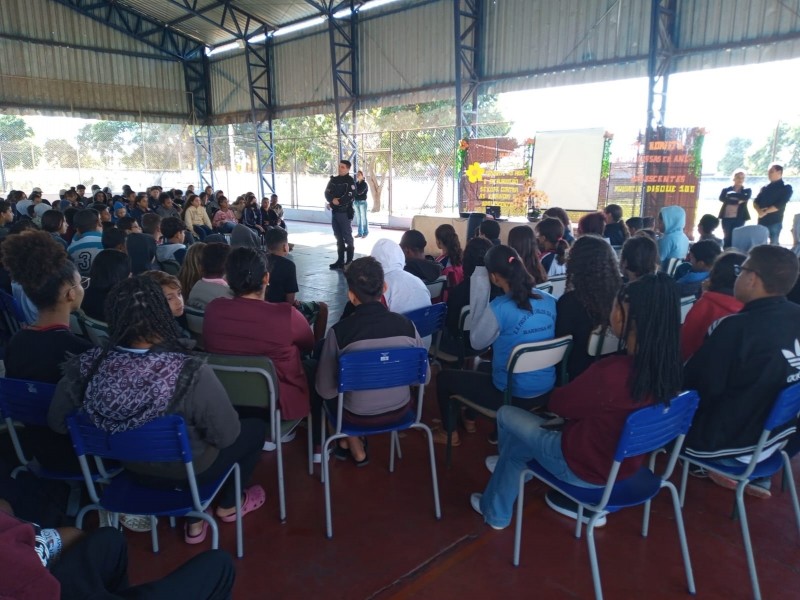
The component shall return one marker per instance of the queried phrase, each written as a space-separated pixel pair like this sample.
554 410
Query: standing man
734 211
340 195
361 205
771 203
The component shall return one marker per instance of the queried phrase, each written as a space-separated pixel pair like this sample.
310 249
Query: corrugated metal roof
303 74
229 85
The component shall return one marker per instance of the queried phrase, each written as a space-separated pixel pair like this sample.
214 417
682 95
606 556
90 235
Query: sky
694 100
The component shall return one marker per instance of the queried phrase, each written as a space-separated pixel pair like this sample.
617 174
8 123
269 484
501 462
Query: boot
339 264
350 252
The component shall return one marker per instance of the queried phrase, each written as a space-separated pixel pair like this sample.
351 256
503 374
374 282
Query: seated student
745 362
701 257
706 227
102 212
108 269
224 220
716 302
371 326
53 222
634 224
129 225
151 225
275 213
447 241
554 212
248 325
649 223
593 281
673 243
490 229
213 284
144 373
173 247
593 223
615 230
749 236
196 218
251 217
88 240
171 288
167 208
595 406
413 246
191 270
6 218
142 252
404 291
68 563
522 239
552 245
120 209
243 236
520 315
51 281
639 257
113 239
283 282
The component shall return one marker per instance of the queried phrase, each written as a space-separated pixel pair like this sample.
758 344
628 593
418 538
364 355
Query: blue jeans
521 438
226 227
361 217
774 233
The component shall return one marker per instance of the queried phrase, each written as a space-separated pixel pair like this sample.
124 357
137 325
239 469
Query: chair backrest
559 283
249 380
534 356
465 321
75 325
378 369
97 331
785 409
194 318
436 288
654 426
11 313
428 319
164 439
26 401
545 287
686 306
602 341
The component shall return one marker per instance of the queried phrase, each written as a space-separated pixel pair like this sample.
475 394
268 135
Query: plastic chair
96 331
646 430
686 305
785 410
374 370
194 318
464 325
251 381
162 440
545 287
602 342
559 283
429 320
12 315
524 358
436 289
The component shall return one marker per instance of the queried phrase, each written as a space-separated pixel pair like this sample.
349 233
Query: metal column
344 67
467 19
259 74
196 71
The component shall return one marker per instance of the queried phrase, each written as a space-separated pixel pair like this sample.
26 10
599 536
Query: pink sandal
195 539
254 498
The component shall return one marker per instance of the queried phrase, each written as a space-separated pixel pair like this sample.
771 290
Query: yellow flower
475 172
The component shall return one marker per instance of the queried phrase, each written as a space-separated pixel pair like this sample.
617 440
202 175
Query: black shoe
564 506
337 266
341 453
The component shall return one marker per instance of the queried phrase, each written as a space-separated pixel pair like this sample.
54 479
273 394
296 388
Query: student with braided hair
595 406
51 281
144 372
522 314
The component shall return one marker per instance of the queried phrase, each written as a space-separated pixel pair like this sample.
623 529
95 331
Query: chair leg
237 484
451 419
789 478
579 523
172 522
434 478
281 488
646 519
748 547
518 524
326 481
391 451
598 589
310 441
397 443
687 561
323 437
154 533
82 513
684 478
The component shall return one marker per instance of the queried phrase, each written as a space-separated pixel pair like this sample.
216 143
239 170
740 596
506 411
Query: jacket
709 308
729 195
362 189
342 187
777 194
748 358
404 292
196 215
674 243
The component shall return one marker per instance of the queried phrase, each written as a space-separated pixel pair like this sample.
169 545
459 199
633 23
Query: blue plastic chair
646 430
12 315
374 370
429 320
162 440
785 409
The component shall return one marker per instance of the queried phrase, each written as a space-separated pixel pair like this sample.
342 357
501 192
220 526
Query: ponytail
505 262
447 235
561 249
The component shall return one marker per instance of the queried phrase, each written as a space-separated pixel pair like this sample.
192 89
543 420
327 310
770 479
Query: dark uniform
342 187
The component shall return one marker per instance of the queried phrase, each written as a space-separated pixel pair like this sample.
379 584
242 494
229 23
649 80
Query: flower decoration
530 142
463 144
475 172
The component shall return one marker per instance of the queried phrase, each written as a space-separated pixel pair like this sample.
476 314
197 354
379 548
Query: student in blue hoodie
701 258
673 242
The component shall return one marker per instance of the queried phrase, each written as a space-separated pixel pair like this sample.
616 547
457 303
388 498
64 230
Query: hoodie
746 237
404 292
706 311
674 243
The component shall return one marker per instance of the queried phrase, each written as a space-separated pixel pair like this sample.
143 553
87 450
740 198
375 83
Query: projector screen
566 165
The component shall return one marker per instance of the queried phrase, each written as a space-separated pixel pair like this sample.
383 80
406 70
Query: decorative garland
461 155
605 166
696 152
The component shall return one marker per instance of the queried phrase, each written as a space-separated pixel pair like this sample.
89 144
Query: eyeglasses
737 270
84 283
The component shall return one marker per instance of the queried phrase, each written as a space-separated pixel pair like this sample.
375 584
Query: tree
60 153
16 147
735 153
779 145
106 139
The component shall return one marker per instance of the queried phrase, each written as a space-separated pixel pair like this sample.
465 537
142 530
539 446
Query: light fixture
300 26
257 38
374 4
237 45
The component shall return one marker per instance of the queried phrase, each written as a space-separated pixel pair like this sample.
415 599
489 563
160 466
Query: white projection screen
566 165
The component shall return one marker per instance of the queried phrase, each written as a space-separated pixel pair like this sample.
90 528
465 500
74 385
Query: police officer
340 194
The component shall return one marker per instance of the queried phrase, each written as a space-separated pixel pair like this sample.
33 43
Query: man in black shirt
771 203
413 246
340 194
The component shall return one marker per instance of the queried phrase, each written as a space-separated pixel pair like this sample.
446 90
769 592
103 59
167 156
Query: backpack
170 266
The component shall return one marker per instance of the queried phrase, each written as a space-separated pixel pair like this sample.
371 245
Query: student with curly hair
522 240
593 281
592 223
145 372
52 282
553 245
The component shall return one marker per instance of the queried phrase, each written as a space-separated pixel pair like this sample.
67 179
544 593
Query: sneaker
491 462
137 523
756 491
492 439
285 439
475 502
564 506
104 518
355 237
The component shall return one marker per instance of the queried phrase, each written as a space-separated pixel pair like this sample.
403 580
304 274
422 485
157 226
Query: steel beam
233 20
202 148
145 29
260 68
344 69
467 21
198 89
